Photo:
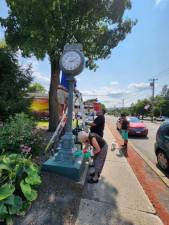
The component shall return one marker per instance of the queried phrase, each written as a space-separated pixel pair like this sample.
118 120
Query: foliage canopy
13 86
44 27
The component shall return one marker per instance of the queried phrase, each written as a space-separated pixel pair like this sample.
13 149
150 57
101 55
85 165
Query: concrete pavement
118 198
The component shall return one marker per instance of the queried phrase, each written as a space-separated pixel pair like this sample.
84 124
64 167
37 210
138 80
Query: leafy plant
14 84
19 177
19 135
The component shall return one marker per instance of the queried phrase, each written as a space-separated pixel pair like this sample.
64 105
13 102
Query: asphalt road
144 145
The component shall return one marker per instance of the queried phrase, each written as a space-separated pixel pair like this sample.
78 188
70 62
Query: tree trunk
53 103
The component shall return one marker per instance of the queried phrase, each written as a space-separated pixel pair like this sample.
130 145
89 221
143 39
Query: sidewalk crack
111 204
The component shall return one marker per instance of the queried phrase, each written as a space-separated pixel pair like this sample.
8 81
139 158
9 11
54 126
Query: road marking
150 164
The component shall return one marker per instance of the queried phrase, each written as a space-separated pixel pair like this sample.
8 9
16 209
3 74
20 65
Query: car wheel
162 160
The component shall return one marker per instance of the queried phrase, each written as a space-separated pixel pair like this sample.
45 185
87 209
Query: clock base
74 170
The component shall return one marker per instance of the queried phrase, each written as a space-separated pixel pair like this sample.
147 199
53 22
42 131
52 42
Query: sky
124 77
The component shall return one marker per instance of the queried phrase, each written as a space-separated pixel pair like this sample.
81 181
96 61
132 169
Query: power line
163 72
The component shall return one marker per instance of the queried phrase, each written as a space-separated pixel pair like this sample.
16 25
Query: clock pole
64 163
71 81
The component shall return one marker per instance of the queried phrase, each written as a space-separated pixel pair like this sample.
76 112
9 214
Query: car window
133 120
164 131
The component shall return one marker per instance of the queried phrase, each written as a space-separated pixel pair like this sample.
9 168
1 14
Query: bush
19 135
19 178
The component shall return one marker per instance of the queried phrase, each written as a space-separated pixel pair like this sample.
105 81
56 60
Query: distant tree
103 106
14 82
161 105
165 91
44 27
139 107
36 87
2 43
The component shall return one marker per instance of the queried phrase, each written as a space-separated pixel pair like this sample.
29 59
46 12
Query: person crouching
100 148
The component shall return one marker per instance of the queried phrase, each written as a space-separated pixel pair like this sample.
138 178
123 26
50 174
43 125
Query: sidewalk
118 199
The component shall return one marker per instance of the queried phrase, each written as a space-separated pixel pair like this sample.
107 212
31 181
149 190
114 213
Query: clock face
71 60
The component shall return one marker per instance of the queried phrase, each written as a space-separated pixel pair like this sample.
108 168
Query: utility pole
123 103
152 85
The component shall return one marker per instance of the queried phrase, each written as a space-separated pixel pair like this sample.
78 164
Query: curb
151 165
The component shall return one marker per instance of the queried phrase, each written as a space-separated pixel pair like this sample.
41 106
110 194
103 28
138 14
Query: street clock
72 60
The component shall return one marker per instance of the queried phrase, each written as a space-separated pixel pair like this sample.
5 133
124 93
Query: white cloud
157 2
139 86
113 94
111 90
114 83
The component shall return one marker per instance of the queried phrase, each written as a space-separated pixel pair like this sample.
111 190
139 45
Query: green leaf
4 167
24 208
10 200
29 193
15 201
34 179
6 190
32 168
14 209
9 220
3 210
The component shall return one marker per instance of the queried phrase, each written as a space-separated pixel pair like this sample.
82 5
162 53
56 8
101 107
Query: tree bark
53 103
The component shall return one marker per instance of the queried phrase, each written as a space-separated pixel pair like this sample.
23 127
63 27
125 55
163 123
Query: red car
136 127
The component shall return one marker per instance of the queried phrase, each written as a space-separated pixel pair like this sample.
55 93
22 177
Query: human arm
92 124
97 122
96 147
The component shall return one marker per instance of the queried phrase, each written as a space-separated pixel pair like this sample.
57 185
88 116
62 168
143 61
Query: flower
25 149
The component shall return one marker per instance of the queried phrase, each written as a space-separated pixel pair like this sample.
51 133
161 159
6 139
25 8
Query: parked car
136 127
162 146
162 118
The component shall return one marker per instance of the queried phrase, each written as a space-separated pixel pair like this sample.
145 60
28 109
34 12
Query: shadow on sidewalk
57 204
138 138
106 209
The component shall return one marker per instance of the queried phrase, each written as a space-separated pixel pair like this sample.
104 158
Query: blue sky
125 75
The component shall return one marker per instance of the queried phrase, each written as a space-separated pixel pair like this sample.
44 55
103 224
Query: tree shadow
138 137
103 208
57 203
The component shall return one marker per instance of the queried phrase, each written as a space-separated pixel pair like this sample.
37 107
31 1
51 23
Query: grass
42 124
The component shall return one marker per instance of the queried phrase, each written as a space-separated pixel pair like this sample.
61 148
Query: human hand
84 150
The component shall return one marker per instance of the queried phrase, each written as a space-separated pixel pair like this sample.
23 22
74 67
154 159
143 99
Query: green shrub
19 177
19 135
